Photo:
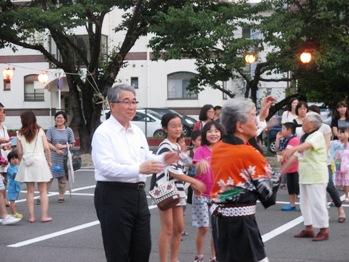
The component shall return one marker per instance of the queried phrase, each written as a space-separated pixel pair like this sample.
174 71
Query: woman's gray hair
114 92
235 110
314 118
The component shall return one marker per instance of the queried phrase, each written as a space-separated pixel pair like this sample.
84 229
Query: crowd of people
32 157
222 175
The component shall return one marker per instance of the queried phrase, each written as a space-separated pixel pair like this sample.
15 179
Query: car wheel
272 147
159 133
186 131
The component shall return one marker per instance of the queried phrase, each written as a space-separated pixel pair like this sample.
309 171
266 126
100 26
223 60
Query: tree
207 32
21 23
321 27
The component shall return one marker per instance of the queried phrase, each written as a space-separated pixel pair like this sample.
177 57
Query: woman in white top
34 153
290 114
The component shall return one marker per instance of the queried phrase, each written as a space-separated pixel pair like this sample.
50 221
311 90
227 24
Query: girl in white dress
34 153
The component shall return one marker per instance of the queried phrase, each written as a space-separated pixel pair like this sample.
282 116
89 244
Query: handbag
30 158
166 195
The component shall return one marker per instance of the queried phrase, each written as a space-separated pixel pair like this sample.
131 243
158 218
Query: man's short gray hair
235 110
115 90
315 119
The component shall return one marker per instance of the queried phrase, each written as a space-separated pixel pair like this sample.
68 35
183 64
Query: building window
32 94
134 82
177 84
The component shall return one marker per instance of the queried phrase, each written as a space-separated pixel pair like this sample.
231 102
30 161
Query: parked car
149 123
187 121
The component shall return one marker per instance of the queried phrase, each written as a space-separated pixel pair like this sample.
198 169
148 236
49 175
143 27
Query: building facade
157 83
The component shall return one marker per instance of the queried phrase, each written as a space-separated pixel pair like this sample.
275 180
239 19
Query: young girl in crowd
340 119
340 153
210 135
206 114
13 187
171 220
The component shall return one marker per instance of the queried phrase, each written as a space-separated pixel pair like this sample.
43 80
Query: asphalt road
74 235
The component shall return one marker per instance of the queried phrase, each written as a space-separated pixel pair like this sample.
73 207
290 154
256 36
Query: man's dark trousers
123 212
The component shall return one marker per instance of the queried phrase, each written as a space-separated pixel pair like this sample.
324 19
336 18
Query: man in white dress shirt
122 162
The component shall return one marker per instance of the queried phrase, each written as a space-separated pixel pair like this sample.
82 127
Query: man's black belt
137 186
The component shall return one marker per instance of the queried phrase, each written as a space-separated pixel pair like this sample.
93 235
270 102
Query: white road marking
277 231
55 234
55 193
266 237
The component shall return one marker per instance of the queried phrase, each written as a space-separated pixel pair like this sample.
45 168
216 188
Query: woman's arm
19 149
196 184
290 151
335 131
47 149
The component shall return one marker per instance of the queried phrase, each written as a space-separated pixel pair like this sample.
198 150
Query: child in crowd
194 145
286 139
211 134
184 156
339 151
13 187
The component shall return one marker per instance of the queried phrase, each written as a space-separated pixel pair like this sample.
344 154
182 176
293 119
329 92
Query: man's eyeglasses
127 102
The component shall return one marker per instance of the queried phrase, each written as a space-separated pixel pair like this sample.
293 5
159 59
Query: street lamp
250 58
43 78
7 76
305 57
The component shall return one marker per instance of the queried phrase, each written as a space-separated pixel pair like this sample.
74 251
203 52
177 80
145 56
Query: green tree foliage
210 32
321 27
206 31
22 23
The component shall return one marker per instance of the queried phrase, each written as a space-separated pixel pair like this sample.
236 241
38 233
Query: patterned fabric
176 168
59 136
200 211
241 174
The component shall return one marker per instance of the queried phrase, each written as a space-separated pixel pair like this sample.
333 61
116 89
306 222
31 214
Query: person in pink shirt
211 133
286 139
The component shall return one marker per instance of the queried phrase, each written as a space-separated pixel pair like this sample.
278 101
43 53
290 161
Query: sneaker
9 220
288 207
18 215
199 258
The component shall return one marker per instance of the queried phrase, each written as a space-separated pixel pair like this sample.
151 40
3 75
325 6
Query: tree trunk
85 112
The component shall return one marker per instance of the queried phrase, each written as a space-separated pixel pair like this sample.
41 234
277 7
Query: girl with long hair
35 157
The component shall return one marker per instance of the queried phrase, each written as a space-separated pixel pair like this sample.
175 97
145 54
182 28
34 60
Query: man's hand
151 167
171 157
